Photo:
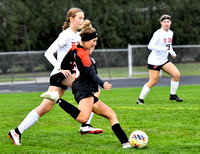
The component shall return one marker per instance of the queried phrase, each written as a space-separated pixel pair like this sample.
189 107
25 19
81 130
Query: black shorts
56 79
81 92
79 95
156 67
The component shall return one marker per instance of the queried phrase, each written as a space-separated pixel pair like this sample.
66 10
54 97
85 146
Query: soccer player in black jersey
78 60
67 38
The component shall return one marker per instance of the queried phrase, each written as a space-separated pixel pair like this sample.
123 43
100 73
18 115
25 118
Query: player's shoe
52 95
175 97
90 130
126 145
140 101
15 137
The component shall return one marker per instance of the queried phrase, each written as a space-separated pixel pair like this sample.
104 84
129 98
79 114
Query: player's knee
176 76
152 83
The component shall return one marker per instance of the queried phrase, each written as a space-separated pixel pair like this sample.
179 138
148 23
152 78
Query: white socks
29 121
144 92
90 118
173 90
174 87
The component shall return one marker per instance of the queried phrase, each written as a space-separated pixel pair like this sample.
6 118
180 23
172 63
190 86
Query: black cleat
175 97
140 101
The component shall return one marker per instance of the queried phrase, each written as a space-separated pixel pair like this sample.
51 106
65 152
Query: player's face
165 24
77 21
90 45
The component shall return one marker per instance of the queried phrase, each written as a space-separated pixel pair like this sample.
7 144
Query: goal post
132 56
138 54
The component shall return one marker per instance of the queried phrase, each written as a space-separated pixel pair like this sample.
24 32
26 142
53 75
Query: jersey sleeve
49 54
171 50
154 41
58 43
89 68
68 60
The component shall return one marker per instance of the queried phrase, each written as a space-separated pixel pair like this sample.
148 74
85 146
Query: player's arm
49 54
154 41
58 43
90 70
67 64
171 51
92 74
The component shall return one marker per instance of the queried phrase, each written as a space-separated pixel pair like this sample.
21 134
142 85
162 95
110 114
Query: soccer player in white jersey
160 46
68 37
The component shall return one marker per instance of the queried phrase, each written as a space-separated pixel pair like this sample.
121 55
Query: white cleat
126 145
52 95
15 137
90 130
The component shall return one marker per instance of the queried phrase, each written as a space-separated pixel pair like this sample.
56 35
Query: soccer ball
138 139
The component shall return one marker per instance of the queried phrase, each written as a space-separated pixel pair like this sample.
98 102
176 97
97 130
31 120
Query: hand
66 73
107 86
173 56
168 46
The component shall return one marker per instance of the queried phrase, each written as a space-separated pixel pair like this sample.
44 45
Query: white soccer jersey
61 45
158 46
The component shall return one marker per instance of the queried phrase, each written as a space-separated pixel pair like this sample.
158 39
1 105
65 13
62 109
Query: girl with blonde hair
67 38
86 84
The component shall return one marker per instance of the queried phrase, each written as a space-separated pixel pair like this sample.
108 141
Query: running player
161 46
68 37
86 84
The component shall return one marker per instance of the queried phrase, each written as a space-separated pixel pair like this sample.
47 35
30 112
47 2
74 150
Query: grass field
172 127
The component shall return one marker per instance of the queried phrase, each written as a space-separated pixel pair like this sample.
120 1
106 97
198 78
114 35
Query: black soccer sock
69 108
84 124
119 132
17 131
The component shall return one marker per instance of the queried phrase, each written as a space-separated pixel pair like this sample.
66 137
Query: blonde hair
164 16
87 28
71 13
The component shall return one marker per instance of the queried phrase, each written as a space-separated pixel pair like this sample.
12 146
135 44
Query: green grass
171 127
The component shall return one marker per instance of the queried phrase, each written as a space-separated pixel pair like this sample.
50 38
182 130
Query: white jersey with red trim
158 45
61 45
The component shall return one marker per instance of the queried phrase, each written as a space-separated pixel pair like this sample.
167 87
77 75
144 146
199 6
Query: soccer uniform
87 81
159 44
61 45
86 84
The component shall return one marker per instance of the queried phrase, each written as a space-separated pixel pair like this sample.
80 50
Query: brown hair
164 16
87 28
71 13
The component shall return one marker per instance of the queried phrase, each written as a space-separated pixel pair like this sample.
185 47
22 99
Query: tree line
35 24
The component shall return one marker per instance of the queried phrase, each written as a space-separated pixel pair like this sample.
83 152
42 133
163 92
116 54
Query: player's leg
86 128
103 110
153 78
172 70
81 114
33 117
72 110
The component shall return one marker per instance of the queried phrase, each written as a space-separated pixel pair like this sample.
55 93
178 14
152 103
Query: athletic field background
171 127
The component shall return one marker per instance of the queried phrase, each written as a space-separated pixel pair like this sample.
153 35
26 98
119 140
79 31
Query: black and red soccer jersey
78 60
